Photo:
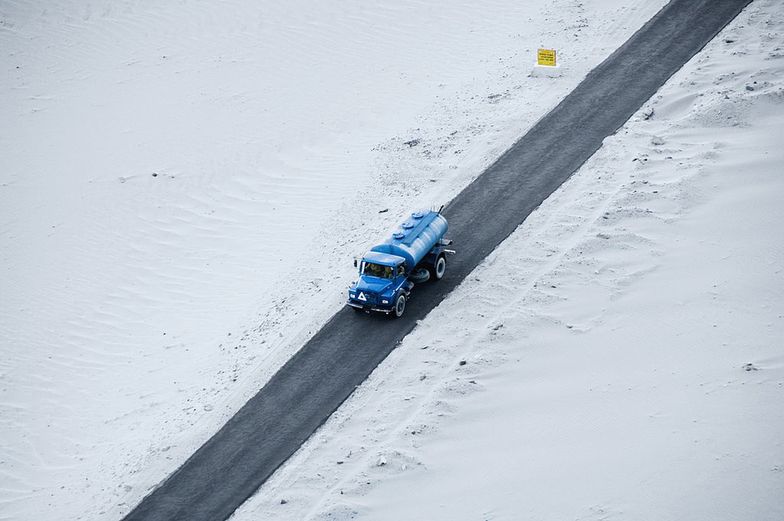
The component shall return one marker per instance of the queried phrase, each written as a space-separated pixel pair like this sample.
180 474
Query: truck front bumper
368 307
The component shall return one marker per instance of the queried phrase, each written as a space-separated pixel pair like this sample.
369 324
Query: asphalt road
232 465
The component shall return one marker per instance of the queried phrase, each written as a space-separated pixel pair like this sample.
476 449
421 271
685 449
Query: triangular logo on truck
362 297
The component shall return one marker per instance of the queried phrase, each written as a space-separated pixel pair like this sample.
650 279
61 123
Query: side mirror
355 263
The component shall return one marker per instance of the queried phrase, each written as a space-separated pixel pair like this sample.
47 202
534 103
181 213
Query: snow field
168 172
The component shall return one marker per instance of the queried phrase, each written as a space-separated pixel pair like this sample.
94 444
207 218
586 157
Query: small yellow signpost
545 57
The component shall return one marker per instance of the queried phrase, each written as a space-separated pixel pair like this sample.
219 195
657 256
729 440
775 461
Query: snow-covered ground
169 172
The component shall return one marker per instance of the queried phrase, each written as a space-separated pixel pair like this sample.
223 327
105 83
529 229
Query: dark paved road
232 465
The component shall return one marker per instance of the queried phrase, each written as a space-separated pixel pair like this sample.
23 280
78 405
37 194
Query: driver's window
377 270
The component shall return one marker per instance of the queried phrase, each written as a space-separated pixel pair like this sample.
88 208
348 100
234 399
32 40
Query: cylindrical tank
415 237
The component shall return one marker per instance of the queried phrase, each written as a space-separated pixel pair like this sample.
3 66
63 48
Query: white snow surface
182 188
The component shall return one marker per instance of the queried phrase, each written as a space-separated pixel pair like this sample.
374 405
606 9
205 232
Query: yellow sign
545 57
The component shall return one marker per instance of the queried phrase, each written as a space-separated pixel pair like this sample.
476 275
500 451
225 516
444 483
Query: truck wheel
400 306
439 268
419 276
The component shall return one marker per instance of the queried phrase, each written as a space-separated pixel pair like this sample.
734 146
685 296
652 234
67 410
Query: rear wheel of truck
439 268
419 276
400 306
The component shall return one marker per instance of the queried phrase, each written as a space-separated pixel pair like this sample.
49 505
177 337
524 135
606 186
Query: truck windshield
377 270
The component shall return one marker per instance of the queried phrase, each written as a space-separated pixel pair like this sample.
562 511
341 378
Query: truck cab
382 280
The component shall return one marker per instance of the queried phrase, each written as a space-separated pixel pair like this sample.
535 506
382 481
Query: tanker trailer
416 252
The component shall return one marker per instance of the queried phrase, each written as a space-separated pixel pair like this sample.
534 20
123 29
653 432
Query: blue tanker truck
388 272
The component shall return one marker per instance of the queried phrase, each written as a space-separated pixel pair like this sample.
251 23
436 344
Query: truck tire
400 306
420 275
439 268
